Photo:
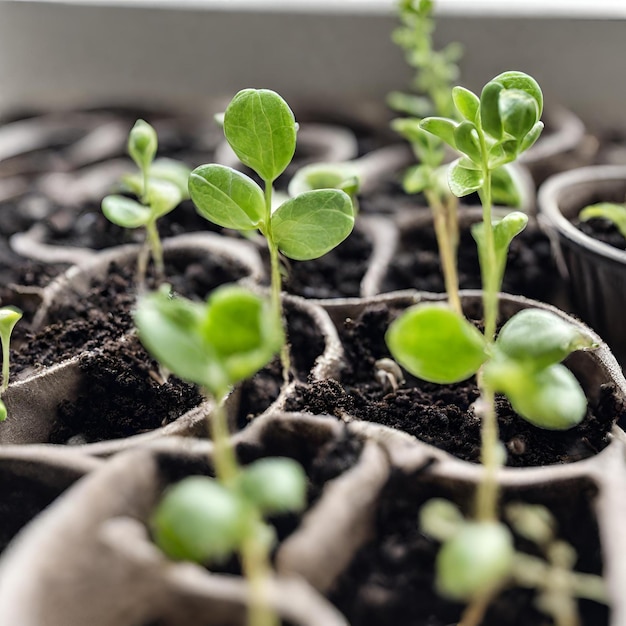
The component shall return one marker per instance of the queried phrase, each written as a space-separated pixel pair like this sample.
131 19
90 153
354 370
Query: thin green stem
5 340
257 570
475 611
154 241
447 248
275 279
225 461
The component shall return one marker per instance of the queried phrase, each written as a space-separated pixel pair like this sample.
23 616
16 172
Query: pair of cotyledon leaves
261 129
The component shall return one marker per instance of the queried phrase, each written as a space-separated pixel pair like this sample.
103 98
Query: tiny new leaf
227 197
523 82
467 103
125 212
142 144
312 223
615 213
440 127
490 110
261 129
463 180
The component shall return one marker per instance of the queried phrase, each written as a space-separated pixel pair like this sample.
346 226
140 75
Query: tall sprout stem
256 567
444 219
475 611
5 340
275 280
156 249
225 461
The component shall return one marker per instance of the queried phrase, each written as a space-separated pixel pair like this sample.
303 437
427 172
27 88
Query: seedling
478 560
437 344
215 345
9 317
261 129
160 186
615 213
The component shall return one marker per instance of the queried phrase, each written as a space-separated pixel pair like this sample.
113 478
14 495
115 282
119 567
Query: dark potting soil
602 230
442 415
531 269
306 344
337 274
391 580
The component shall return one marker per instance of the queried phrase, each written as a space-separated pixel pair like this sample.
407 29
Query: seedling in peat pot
216 345
261 129
614 213
479 559
9 317
437 344
161 186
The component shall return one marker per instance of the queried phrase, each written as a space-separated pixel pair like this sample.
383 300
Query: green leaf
3 411
490 109
227 197
549 398
441 519
242 330
261 129
173 172
322 176
518 112
463 180
416 179
312 223
9 317
523 82
477 560
417 106
163 197
435 344
504 231
125 212
274 486
409 128
541 338
615 213
531 137
199 520
504 190
466 139
467 103
142 144
440 127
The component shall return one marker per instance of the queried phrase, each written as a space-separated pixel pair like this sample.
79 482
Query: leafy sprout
160 187
614 213
9 317
261 129
215 345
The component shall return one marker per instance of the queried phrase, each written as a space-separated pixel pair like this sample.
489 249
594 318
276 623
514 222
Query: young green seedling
161 185
478 559
215 345
261 129
9 317
614 213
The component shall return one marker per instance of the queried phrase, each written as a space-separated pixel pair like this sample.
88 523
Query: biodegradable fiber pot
88 559
595 271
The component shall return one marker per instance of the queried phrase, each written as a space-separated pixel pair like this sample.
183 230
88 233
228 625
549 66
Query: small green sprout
478 559
160 185
261 129
615 213
215 345
9 317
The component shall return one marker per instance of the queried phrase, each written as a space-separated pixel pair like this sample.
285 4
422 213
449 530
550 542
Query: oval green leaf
490 110
163 197
227 197
519 113
432 342
313 223
540 338
142 144
615 213
261 129
440 127
125 212
531 137
467 103
463 180
523 82
174 172
466 138
504 189
199 520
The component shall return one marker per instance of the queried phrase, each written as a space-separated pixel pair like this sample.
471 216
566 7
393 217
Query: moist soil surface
602 230
391 580
442 415
531 270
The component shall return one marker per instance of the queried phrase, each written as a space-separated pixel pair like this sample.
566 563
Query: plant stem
489 273
475 611
256 568
275 280
226 466
487 494
445 227
154 241
5 340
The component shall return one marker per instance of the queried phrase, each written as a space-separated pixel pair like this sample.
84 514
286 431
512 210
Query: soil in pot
442 415
531 270
391 581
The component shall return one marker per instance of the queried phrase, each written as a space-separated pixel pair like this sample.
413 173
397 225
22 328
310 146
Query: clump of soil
443 415
602 230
